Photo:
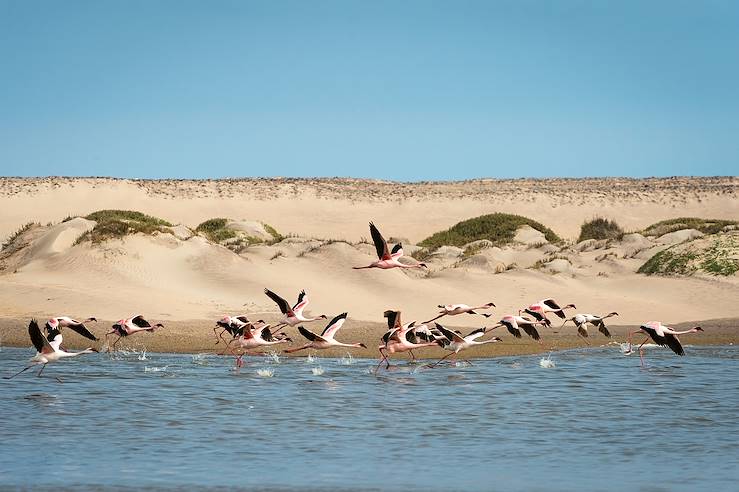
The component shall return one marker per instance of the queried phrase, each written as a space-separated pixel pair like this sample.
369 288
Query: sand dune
176 277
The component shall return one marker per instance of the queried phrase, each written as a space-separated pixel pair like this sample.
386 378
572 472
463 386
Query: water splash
347 360
310 359
155 369
317 371
547 363
265 373
142 355
274 356
199 359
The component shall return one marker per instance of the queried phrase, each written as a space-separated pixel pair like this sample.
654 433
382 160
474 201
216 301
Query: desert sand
187 282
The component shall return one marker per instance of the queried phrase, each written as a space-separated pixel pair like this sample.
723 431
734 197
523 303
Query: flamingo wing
536 315
302 302
582 330
310 335
380 244
393 318
531 331
55 339
281 303
38 340
397 251
242 318
266 334
475 334
334 325
139 321
551 303
82 330
452 336
512 329
674 344
602 328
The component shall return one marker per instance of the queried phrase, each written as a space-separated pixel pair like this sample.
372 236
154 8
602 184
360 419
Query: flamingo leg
442 359
19 372
115 343
291 350
40 371
434 319
413 356
382 359
641 351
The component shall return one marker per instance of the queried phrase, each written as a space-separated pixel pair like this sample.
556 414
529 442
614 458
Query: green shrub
119 223
8 242
600 228
706 226
498 228
668 262
216 230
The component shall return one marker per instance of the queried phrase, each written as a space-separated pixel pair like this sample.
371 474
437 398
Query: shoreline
196 336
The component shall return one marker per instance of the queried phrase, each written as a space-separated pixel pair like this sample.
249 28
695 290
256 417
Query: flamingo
257 336
326 339
582 320
48 349
387 259
515 324
234 325
455 309
661 335
129 326
72 324
540 309
293 315
400 338
456 342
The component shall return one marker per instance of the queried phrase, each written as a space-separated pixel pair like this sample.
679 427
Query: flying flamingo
129 326
456 342
540 309
581 322
455 309
326 339
293 315
515 324
387 259
48 349
414 334
256 337
401 338
662 335
234 325
67 322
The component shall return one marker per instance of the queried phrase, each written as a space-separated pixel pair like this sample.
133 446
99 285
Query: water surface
594 421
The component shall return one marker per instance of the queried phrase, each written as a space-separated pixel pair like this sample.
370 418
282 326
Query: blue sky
404 90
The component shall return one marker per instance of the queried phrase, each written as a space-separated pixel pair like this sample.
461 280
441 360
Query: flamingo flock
247 335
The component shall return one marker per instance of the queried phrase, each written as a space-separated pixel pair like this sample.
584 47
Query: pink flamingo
256 337
387 259
456 342
234 325
515 324
326 339
129 326
48 349
455 309
400 338
581 322
72 324
662 335
538 310
293 315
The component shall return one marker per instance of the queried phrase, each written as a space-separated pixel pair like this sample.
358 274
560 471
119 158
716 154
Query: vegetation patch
498 228
216 230
600 228
112 224
276 236
14 237
706 226
717 256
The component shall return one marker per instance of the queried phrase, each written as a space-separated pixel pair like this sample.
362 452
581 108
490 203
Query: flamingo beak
362 345
698 328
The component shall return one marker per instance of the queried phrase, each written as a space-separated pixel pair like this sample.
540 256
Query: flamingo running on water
293 315
400 338
48 349
256 336
455 309
456 342
581 322
129 326
386 258
662 335
234 325
540 309
326 339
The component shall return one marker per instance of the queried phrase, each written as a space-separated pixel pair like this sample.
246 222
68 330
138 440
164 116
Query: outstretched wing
380 244
302 302
281 303
672 342
333 326
266 334
537 315
310 335
393 318
475 334
551 303
602 328
139 321
531 331
38 340
397 251
82 330
452 336
512 329
582 330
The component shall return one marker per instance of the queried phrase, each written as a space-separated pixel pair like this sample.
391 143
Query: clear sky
404 90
